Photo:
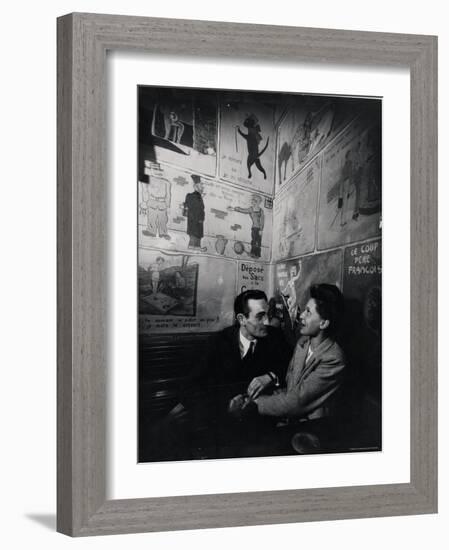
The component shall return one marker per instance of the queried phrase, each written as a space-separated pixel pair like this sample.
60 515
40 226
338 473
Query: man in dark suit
194 211
249 357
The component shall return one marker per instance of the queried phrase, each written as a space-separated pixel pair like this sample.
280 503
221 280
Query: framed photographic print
244 321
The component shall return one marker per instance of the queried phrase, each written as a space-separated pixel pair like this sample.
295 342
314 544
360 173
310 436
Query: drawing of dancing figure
256 213
253 139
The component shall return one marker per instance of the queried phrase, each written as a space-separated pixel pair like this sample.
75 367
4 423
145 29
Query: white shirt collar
244 344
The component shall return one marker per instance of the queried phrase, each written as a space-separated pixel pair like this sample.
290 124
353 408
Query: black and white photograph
234 261
259 274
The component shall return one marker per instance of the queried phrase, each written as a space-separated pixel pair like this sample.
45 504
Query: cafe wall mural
235 188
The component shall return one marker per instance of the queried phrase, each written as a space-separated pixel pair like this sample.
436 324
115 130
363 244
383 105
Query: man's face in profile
255 324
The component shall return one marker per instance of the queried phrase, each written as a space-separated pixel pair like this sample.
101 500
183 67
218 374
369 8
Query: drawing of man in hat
193 209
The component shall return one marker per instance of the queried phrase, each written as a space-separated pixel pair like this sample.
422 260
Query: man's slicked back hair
241 301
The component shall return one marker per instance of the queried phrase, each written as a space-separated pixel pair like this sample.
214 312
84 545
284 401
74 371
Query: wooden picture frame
83 40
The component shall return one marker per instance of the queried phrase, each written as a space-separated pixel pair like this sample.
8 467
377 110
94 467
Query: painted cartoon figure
296 149
357 171
350 183
173 126
284 156
344 189
256 213
290 291
253 139
193 209
322 127
373 171
287 300
156 198
155 270
301 139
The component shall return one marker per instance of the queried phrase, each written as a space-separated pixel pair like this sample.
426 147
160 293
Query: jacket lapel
310 365
297 363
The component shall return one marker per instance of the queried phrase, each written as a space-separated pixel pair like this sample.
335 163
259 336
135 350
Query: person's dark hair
329 304
271 308
241 302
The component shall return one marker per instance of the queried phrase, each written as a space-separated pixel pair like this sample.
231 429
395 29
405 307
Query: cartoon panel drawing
184 293
293 279
247 144
311 122
178 126
350 198
188 212
294 214
167 284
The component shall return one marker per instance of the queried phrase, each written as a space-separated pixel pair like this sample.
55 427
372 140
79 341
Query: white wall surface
28 295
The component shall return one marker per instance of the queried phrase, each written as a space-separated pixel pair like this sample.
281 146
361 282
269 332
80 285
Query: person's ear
324 324
241 319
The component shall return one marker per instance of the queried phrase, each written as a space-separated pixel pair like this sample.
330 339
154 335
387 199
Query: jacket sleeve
310 394
242 210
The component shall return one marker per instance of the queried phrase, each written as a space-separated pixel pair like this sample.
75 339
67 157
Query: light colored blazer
311 386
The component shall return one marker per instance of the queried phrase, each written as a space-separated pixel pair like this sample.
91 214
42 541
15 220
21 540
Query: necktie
250 352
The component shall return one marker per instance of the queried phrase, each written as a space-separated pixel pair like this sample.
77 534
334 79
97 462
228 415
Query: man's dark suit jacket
224 374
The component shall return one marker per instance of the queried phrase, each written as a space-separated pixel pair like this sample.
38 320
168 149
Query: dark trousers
256 241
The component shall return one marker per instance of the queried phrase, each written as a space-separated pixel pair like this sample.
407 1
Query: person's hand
258 384
230 208
241 406
236 404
